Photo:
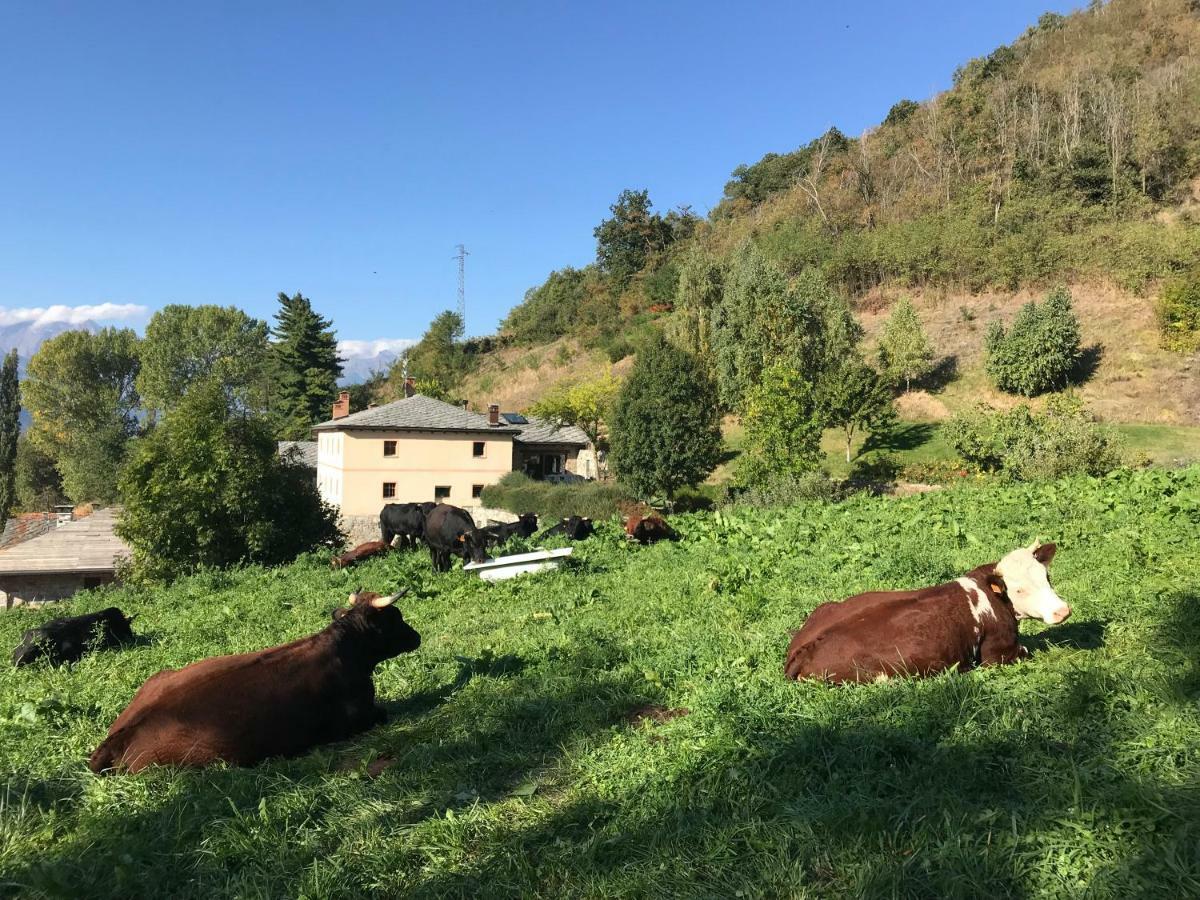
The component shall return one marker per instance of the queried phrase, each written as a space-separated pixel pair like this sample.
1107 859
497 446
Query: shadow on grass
904 436
1089 363
1072 635
944 371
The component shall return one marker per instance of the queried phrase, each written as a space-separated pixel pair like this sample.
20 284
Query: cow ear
1045 553
996 583
461 539
339 612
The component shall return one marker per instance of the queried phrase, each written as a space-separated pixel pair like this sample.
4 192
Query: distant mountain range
361 358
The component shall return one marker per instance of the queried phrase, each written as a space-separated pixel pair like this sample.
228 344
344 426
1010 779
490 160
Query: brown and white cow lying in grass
968 622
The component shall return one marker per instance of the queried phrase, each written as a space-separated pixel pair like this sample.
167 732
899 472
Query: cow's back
241 708
445 523
882 632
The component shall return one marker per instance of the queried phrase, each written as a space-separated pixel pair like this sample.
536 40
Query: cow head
118 624
378 627
472 545
1022 577
528 523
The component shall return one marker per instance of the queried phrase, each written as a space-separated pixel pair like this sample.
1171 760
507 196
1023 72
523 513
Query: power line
461 256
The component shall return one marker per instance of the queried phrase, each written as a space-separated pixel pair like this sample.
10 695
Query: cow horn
381 602
357 591
1033 548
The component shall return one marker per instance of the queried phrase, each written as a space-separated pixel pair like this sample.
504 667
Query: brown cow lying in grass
361 552
969 622
278 702
649 529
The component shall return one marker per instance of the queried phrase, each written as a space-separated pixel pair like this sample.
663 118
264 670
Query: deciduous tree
783 424
586 404
666 430
856 400
80 390
207 488
904 351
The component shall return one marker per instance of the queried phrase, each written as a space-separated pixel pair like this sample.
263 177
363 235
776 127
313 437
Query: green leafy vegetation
81 392
586 404
39 486
1026 445
1041 349
1179 313
622 727
666 428
783 425
206 488
518 493
904 351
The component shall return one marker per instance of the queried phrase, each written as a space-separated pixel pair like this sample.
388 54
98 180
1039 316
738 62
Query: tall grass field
622 728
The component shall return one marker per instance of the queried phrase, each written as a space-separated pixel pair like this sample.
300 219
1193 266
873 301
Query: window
477 449
477 491
389 490
554 464
389 448
442 492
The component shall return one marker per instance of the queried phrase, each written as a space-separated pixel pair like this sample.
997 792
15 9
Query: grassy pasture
515 762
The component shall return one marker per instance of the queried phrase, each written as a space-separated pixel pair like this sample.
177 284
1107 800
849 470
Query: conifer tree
307 367
10 429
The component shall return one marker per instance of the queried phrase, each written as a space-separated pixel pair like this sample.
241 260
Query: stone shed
72 557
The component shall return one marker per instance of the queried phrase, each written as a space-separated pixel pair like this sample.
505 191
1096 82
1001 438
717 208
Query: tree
306 367
763 319
438 356
783 426
80 390
207 488
666 428
904 351
10 430
1179 313
697 293
185 344
855 399
39 486
586 404
1040 350
627 241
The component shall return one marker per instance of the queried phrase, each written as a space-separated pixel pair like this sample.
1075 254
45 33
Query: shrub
1028 446
207 488
1179 313
666 430
783 429
518 493
788 489
1040 350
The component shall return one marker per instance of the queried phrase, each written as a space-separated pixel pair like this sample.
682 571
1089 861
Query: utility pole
461 256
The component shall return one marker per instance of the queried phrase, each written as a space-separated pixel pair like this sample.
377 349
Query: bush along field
622 727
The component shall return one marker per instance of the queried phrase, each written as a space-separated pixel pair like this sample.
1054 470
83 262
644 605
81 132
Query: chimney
341 409
493 414
410 387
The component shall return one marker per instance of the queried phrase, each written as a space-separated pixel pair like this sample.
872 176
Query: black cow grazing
576 528
66 640
449 529
405 521
245 708
525 526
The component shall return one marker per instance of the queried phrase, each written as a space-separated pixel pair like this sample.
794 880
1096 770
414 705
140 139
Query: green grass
518 772
1164 444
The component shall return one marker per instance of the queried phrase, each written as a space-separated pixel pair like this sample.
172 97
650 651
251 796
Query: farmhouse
74 556
419 448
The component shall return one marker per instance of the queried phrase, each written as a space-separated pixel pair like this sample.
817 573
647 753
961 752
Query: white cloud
70 315
371 349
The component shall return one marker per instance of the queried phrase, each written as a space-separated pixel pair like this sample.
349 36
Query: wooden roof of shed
87 545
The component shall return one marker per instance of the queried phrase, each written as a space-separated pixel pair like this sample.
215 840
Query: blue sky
221 152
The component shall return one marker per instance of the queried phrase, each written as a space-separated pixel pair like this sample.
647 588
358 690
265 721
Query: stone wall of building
25 590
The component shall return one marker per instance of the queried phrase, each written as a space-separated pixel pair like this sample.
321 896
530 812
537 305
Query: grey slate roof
305 452
540 431
85 545
416 413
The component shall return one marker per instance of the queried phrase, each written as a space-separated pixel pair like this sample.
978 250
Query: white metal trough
505 567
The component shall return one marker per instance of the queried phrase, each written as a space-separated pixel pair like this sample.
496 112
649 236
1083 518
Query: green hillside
1072 153
622 728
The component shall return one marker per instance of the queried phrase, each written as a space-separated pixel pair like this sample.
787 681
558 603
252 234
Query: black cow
576 528
449 529
67 639
525 526
405 521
